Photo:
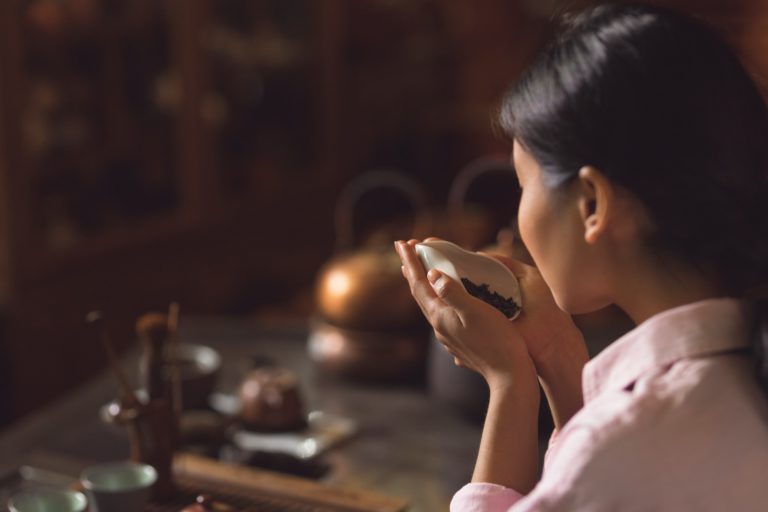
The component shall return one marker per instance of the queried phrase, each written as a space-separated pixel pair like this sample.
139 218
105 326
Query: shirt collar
694 330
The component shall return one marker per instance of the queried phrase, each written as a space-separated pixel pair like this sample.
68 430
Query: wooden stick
173 333
265 484
96 319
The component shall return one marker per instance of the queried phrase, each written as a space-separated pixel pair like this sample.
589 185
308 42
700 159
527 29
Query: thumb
449 290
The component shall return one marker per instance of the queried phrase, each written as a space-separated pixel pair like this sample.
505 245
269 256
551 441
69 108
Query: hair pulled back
662 106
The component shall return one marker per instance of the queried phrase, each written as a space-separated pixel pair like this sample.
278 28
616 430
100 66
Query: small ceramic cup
118 486
48 500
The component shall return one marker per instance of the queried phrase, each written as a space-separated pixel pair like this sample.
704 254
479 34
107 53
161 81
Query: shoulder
694 404
679 430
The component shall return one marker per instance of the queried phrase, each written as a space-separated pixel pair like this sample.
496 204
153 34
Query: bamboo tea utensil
152 329
96 319
251 490
173 336
162 434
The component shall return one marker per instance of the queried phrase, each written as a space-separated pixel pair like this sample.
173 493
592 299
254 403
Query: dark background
195 150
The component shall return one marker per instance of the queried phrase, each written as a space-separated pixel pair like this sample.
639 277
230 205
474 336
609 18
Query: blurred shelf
194 149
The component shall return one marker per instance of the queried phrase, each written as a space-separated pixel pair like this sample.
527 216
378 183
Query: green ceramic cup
118 486
48 500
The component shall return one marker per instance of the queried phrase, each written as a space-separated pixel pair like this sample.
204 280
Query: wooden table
408 446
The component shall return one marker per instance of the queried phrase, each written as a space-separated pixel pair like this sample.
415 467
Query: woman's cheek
525 225
522 222
528 224
535 234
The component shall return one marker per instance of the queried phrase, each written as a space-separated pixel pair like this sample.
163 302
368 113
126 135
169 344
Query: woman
641 146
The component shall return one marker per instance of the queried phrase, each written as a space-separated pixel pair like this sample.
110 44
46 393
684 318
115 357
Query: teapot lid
206 503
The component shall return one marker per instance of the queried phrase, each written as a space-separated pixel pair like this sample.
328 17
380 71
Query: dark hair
662 106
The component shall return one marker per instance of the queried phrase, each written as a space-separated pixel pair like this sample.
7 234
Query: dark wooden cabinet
193 150
150 151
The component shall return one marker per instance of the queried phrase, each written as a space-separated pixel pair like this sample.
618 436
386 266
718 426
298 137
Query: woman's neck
649 287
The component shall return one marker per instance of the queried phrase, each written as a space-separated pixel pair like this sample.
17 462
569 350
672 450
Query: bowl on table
123 486
48 500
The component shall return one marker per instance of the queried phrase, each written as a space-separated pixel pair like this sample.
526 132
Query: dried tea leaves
483 292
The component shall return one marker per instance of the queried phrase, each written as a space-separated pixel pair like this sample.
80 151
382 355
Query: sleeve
481 497
491 497
560 489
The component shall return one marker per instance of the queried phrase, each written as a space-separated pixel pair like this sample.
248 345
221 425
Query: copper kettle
366 323
362 287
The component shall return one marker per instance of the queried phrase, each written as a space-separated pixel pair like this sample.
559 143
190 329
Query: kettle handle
371 180
457 195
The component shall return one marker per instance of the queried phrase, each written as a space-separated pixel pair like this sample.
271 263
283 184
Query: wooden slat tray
263 491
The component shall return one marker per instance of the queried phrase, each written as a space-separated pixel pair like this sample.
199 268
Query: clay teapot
271 400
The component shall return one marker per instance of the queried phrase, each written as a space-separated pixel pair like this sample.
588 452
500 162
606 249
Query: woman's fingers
450 292
414 272
421 289
443 300
446 289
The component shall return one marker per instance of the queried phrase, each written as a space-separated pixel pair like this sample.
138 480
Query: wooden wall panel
4 276
742 23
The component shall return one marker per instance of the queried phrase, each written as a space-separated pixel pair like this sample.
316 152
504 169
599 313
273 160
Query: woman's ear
596 198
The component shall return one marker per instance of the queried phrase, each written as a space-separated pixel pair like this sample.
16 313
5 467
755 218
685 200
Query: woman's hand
548 331
482 338
476 334
554 342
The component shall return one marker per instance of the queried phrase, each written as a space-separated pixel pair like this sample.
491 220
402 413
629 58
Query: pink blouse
673 420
